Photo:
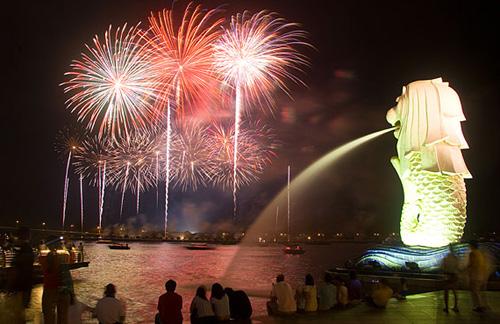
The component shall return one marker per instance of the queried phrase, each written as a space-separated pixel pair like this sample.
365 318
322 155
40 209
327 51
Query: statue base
416 258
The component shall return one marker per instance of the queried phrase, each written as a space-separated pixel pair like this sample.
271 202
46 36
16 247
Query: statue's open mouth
397 124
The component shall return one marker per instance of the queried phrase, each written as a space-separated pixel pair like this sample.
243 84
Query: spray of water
237 117
276 223
127 170
66 185
101 194
167 167
138 199
305 179
157 177
81 202
288 203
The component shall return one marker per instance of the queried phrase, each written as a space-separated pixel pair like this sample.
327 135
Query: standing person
21 281
282 298
477 271
109 310
57 286
326 293
450 269
51 279
354 288
201 309
80 252
170 305
220 303
239 304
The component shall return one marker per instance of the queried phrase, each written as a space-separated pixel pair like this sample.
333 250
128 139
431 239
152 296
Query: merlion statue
430 163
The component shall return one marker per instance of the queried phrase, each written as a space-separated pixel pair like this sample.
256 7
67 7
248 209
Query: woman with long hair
220 302
201 309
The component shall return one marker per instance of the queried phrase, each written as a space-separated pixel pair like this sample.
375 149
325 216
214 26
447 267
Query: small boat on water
119 246
199 246
293 249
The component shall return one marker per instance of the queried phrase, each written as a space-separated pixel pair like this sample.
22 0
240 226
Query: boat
293 249
199 246
119 246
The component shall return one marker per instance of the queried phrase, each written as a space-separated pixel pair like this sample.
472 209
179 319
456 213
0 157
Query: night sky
365 52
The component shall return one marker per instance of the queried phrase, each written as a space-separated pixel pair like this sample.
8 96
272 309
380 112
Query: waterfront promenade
421 308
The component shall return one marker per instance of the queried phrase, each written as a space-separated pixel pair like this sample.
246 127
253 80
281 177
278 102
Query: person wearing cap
109 310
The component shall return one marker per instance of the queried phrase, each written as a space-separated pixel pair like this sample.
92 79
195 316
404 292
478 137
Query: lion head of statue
428 117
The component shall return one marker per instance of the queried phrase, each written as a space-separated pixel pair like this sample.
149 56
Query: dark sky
366 51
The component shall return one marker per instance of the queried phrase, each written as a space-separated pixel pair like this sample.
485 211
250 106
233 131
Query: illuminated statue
430 163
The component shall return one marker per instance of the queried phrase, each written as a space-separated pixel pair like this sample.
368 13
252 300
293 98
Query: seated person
327 294
342 293
201 309
109 310
307 296
239 304
282 298
381 294
170 304
220 303
354 289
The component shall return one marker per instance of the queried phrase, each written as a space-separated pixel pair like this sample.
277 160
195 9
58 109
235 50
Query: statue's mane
430 114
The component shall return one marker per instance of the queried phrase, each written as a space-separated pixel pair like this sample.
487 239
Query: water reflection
140 273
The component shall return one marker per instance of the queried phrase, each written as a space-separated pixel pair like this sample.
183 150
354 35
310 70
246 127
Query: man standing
450 269
80 252
478 276
109 310
170 305
282 298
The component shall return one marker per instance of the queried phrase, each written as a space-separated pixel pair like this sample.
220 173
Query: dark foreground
420 308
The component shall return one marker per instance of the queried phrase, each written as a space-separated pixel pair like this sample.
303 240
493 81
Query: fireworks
192 162
255 152
133 160
183 56
122 86
254 57
68 139
90 162
258 54
90 158
111 85
183 64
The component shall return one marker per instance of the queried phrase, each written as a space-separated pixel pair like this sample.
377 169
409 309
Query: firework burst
191 156
258 53
254 56
111 86
133 160
183 65
256 150
91 162
67 142
183 55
